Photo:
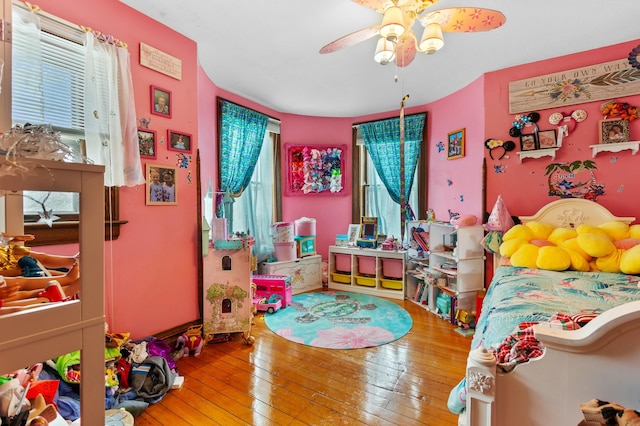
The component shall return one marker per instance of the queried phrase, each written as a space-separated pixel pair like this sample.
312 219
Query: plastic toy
270 305
191 341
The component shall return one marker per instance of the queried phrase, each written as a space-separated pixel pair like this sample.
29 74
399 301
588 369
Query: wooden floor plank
278 382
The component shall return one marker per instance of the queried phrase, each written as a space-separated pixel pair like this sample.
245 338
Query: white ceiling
268 50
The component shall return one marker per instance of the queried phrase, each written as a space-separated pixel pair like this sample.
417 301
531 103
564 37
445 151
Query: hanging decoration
633 57
500 145
574 180
566 123
522 120
316 169
403 203
623 110
46 215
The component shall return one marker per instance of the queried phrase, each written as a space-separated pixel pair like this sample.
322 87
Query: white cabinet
305 273
455 266
372 271
37 334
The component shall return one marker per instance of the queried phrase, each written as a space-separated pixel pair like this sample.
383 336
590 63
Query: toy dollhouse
227 295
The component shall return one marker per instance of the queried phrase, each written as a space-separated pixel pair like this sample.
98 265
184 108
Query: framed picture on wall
528 142
613 130
178 141
147 143
547 139
455 144
161 102
162 189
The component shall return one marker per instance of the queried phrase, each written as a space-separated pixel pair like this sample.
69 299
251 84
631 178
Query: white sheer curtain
379 203
110 113
253 210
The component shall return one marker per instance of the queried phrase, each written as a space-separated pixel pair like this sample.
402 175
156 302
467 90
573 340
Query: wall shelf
538 153
614 147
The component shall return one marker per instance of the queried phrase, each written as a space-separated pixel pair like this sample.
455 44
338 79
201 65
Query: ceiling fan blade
377 5
465 19
351 39
406 50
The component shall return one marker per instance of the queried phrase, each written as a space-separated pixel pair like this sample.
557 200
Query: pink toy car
270 306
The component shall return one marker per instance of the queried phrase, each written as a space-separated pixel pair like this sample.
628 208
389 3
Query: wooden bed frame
600 360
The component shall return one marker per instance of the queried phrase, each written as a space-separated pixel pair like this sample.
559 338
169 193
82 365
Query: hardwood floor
278 382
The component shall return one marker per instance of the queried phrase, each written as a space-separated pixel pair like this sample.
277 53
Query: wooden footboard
601 360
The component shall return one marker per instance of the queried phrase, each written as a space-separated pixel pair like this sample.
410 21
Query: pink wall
524 185
151 274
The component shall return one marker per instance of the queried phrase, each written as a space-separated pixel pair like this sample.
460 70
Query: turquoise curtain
382 140
241 138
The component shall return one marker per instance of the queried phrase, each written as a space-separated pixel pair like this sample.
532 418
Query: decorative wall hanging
613 130
178 141
162 189
157 60
575 86
573 180
566 123
160 102
633 57
147 143
315 169
499 145
623 110
455 144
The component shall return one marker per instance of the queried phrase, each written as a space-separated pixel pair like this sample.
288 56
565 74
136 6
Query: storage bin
366 281
391 284
343 262
282 232
285 251
341 278
305 227
392 268
367 265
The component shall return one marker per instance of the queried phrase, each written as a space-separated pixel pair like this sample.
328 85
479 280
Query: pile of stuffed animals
609 247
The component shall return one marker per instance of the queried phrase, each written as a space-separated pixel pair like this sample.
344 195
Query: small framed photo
354 233
455 144
147 143
160 102
162 189
178 141
547 139
613 130
528 142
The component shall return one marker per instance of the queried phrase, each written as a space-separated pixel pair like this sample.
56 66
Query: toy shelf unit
455 269
305 273
371 271
50 330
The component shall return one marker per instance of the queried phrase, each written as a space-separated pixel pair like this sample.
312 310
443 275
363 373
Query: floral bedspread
518 295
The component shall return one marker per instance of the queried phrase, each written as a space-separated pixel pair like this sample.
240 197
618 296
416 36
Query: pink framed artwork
178 141
147 143
315 169
161 102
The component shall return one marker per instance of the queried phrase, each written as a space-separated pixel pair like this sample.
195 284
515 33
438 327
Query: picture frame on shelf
178 141
613 130
161 186
528 142
147 143
455 144
161 102
547 139
354 233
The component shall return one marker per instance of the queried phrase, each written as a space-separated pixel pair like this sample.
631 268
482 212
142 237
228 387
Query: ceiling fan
397 38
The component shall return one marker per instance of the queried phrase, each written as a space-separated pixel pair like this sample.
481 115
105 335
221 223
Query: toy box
279 285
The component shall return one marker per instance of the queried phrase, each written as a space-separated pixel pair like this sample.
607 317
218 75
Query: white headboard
572 212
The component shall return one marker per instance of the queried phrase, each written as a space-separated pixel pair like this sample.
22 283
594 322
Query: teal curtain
243 130
241 137
382 140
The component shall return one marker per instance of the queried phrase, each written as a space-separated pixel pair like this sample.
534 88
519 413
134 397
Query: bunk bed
596 361
44 332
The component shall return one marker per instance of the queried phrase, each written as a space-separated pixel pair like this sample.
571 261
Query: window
370 196
47 85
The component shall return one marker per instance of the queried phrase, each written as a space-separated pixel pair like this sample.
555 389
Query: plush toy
609 247
191 341
609 413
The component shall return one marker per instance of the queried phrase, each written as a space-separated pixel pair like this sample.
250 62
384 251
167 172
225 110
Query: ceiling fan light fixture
392 26
385 51
432 39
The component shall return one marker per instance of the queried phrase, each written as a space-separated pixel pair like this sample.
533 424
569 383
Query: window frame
358 167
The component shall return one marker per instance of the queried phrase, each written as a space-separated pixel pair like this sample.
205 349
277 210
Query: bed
599 360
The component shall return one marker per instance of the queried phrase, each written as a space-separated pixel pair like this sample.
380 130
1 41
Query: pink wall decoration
315 170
